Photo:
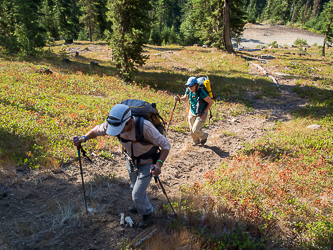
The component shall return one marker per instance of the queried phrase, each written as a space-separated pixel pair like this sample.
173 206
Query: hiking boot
195 143
132 209
146 221
203 142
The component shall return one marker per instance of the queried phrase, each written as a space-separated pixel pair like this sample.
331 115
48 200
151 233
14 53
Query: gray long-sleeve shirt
150 133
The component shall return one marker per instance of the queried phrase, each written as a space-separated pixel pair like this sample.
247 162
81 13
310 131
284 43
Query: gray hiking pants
140 181
196 127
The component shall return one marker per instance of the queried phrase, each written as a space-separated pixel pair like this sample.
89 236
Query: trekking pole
172 114
157 178
81 171
84 153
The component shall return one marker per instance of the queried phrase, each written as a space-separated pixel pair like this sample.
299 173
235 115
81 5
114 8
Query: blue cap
191 81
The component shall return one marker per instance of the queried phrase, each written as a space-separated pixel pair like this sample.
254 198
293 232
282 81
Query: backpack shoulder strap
139 128
139 134
199 91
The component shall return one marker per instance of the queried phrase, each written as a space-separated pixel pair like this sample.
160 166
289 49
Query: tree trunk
306 7
326 35
316 8
292 10
90 31
226 27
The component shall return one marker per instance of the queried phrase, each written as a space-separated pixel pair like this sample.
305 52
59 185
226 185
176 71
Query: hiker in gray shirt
140 166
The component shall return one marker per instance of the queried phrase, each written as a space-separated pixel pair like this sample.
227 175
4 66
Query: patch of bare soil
264 34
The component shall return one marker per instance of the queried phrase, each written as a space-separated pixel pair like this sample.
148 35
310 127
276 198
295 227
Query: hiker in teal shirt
200 105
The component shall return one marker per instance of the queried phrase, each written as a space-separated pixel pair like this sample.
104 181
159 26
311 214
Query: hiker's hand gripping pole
174 107
157 179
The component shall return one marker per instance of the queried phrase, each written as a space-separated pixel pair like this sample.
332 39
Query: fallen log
267 74
145 238
254 58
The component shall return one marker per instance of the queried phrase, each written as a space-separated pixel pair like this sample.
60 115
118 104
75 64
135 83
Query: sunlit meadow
276 192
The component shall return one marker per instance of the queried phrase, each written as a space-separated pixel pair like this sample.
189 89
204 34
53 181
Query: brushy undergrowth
277 193
40 112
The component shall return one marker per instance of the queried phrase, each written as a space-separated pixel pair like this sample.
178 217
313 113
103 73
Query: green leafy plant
274 44
300 42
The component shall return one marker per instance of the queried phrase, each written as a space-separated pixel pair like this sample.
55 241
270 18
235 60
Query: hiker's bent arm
209 105
77 140
184 97
99 130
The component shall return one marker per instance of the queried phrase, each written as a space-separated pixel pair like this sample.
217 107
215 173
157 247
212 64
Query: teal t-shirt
193 100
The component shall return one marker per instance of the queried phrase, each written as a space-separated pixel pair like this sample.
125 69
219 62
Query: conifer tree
208 19
187 29
66 17
226 27
104 25
328 24
7 25
20 26
316 8
130 25
47 19
90 16
252 11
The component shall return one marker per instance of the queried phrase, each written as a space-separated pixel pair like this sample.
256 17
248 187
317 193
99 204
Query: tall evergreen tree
130 24
208 19
164 10
306 8
7 25
278 11
316 8
187 29
166 15
66 15
104 25
75 18
47 19
328 24
226 27
90 16
252 11
20 24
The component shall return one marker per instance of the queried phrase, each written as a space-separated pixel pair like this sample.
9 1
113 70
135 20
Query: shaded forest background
26 25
